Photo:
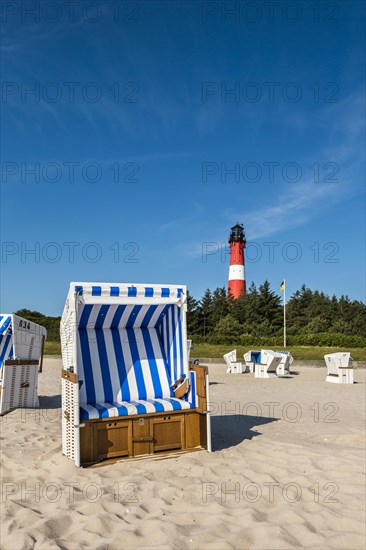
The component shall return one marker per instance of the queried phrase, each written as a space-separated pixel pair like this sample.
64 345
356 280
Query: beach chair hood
20 338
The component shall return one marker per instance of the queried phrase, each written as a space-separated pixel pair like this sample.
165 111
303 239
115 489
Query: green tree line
313 318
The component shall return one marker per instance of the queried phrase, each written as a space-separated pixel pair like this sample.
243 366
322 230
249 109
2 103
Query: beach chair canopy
6 340
268 355
230 357
20 338
252 356
287 358
128 345
338 360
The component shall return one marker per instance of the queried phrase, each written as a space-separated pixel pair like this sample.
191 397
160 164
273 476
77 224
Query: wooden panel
168 432
111 439
201 372
141 439
71 376
87 451
203 430
160 433
42 352
25 362
192 429
200 379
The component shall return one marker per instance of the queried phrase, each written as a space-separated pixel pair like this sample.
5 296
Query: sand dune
287 471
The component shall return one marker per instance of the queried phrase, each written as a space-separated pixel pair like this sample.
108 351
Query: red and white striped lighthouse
237 242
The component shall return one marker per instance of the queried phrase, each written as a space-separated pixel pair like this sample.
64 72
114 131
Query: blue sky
210 117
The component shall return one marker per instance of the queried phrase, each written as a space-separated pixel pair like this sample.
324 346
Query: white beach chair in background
286 362
339 371
252 357
127 387
21 357
267 368
189 347
233 366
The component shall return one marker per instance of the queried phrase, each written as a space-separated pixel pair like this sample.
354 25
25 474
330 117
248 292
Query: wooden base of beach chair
249 367
344 376
151 434
282 370
235 368
130 437
260 371
19 385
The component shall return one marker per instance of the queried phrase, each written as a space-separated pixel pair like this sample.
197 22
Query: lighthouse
237 242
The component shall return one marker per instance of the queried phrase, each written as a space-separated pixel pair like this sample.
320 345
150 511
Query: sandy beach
287 471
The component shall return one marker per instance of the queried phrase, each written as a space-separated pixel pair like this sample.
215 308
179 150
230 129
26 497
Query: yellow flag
282 287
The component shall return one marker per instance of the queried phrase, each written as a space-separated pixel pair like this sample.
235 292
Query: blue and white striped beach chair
21 354
127 388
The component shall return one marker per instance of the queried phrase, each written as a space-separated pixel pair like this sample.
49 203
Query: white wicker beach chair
284 367
21 355
127 388
233 366
267 368
339 371
189 347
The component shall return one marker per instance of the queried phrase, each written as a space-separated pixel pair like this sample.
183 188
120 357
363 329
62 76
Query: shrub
327 339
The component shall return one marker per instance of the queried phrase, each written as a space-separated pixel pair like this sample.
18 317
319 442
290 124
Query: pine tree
297 312
193 315
220 305
269 304
260 313
205 309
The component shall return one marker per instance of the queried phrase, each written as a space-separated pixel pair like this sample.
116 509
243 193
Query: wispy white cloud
299 204
291 209
195 212
344 145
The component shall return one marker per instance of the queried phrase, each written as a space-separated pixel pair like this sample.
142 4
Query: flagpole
284 313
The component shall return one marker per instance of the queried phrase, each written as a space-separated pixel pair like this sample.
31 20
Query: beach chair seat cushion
130 408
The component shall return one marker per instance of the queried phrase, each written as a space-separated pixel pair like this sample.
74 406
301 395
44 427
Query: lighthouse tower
237 242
